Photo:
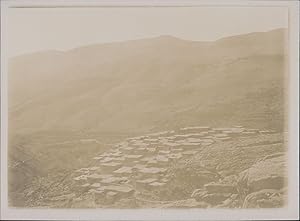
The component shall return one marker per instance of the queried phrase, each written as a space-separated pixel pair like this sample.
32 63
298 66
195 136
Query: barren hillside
66 107
159 82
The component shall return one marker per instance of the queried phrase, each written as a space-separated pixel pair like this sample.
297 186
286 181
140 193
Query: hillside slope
66 107
145 84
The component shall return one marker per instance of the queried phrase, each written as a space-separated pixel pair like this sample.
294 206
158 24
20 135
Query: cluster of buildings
141 163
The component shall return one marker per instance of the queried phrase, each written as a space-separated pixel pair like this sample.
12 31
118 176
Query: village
140 164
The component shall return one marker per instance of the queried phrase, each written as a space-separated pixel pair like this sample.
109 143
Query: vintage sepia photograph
167 106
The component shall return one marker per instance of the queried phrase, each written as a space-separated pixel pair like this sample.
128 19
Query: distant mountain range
150 85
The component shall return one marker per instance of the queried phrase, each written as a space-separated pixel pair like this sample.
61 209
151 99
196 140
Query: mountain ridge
164 37
144 84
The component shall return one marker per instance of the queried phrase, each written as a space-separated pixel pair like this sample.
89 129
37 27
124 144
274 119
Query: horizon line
139 39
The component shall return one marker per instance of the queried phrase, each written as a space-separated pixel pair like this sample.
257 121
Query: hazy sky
64 28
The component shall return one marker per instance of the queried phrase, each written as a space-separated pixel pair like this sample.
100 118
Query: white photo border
291 211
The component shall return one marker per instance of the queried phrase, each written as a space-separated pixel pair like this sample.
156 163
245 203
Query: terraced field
191 167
